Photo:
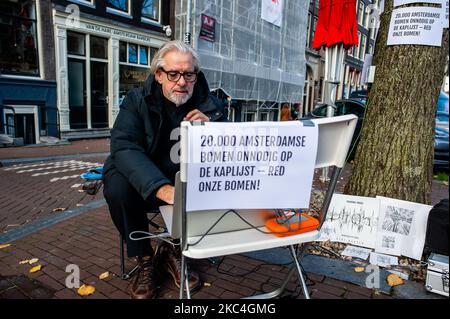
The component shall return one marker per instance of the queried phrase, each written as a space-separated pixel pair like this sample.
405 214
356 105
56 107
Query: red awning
337 24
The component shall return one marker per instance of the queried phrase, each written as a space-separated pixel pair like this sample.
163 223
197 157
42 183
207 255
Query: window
99 47
121 7
123 52
89 3
18 37
76 43
308 30
151 11
132 53
134 66
361 12
143 55
362 51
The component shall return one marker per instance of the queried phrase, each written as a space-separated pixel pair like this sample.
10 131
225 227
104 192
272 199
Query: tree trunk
395 153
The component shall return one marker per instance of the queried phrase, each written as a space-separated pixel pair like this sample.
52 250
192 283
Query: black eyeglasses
174 76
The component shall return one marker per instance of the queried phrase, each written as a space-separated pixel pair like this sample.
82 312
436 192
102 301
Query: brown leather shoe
144 283
170 262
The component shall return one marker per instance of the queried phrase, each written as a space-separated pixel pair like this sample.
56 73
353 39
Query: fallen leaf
206 284
26 261
59 209
359 269
394 280
86 290
4 246
32 261
81 191
104 275
35 268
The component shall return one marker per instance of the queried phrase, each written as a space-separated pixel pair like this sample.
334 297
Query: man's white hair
175 45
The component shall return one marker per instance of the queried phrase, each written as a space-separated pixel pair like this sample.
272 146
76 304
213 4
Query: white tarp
250 165
272 11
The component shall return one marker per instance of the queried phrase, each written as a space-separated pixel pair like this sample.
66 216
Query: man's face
178 92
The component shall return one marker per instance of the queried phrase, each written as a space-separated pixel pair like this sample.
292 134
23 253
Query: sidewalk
45 151
90 241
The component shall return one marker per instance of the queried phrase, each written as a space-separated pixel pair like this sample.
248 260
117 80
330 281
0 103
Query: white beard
179 99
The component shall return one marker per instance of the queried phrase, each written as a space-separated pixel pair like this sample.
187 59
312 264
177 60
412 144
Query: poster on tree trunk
416 25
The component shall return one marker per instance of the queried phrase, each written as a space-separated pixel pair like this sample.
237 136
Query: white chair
335 135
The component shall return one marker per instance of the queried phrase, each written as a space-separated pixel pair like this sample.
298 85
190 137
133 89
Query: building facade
77 60
103 48
28 109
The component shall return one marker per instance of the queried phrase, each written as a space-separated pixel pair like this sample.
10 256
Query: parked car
442 120
441 150
343 107
353 106
360 95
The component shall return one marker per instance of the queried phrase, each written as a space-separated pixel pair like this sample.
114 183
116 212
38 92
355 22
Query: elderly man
139 174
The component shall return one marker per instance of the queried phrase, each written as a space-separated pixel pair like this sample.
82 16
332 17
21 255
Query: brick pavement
91 242
25 198
42 150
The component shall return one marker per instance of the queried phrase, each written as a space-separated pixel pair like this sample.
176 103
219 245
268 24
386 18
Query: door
99 94
25 128
77 94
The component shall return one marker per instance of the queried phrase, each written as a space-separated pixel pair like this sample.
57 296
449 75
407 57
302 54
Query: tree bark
395 152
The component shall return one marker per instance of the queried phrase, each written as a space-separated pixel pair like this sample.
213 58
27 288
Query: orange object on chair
288 226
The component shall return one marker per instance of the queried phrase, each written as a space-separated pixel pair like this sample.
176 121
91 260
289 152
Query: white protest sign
416 25
445 17
250 165
402 2
272 11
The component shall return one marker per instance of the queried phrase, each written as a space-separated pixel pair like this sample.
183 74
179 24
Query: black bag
437 235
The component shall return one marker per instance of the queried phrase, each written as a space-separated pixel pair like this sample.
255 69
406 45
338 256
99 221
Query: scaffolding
250 59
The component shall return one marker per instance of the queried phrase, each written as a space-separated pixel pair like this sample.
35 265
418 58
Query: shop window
18 37
123 51
76 43
131 77
132 53
134 66
151 10
99 47
143 55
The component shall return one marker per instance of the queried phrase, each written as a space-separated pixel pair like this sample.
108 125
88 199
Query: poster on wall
272 11
208 28
416 25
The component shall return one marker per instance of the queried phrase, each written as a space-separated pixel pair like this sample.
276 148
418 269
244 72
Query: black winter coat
134 136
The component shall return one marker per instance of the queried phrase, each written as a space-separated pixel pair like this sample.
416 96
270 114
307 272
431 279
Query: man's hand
166 193
196 115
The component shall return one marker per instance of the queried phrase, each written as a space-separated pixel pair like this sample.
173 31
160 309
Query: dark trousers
128 211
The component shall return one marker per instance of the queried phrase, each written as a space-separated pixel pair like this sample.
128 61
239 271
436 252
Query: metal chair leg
182 281
124 275
277 292
300 273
